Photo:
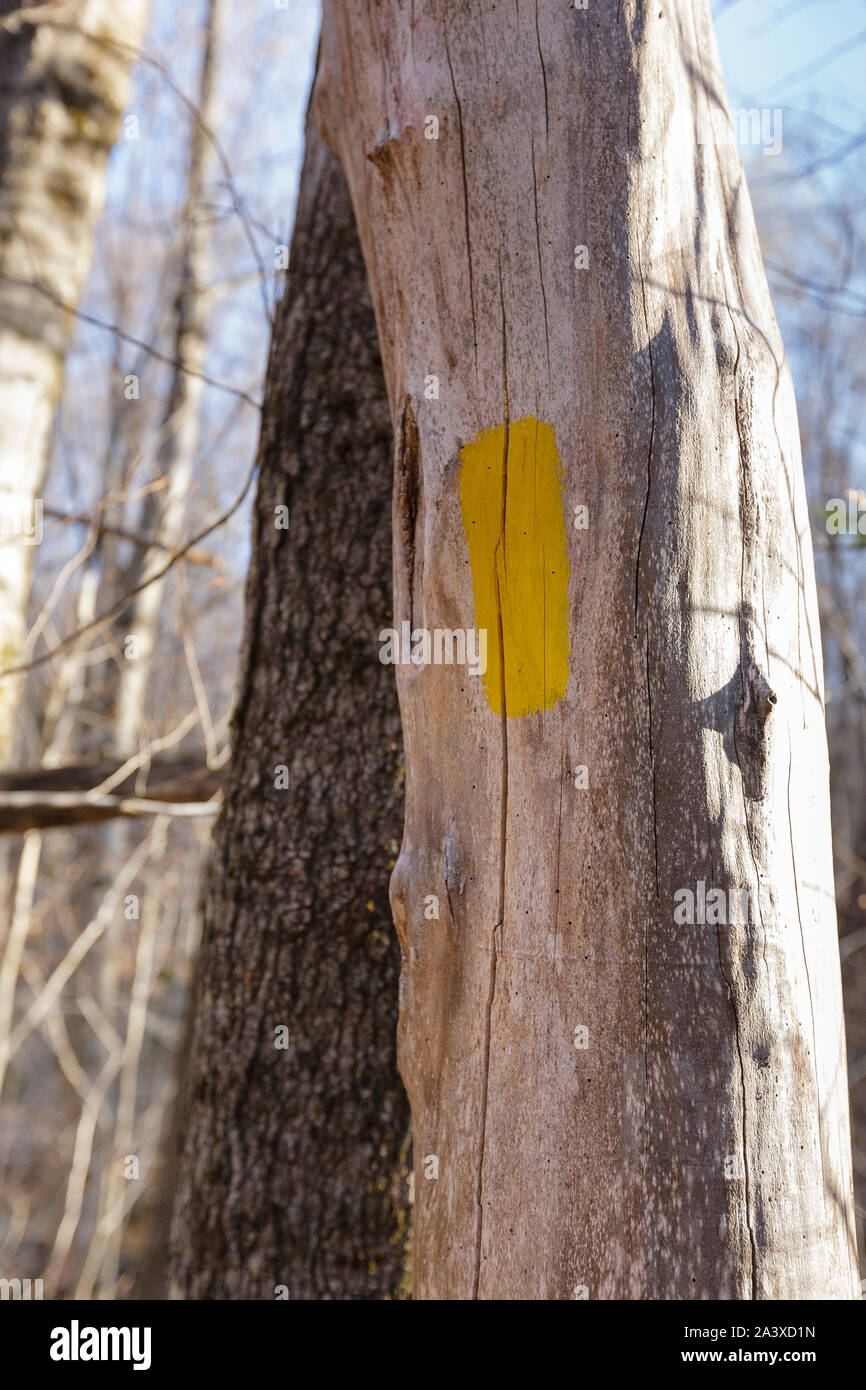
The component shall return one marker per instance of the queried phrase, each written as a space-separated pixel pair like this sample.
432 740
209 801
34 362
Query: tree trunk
294 1159
609 1100
162 515
63 86
120 688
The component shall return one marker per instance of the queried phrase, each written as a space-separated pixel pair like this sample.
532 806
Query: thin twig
100 621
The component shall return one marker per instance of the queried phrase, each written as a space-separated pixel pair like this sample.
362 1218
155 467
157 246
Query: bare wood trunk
63 87
294 1160
608 1101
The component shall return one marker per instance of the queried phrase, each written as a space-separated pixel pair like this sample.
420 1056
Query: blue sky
768 47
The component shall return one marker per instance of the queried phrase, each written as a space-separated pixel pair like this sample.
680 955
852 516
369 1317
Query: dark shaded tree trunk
294 1160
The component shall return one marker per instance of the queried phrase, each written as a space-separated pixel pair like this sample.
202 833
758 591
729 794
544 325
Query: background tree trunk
163 512
294 1160
606 1103
63 87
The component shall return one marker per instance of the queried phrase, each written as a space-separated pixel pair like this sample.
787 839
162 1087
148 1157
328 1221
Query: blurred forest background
99 922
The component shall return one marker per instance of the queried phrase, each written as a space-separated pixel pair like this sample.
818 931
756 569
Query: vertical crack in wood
752 777
649 702
465 195
745 641
754 707
729 981
543 75
651 438
408 493
538 249
500 572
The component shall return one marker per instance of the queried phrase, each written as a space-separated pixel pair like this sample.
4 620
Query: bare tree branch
195 557
42 798
105 617
135 342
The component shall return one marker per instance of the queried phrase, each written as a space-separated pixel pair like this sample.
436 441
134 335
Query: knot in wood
754 707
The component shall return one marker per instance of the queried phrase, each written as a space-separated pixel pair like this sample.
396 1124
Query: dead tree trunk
294 1163
63 86
622 1035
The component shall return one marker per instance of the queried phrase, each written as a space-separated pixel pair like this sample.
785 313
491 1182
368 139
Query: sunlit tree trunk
63 86
294 1125
621 1032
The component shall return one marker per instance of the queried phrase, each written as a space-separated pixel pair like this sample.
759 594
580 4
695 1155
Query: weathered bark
63 87
621 1106
294 1162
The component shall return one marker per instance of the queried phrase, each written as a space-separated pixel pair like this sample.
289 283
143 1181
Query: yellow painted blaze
511 501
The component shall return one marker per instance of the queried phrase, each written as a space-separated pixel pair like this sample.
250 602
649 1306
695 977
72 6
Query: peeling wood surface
619 1105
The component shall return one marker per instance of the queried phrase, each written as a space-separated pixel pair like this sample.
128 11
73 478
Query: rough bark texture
63 86
620 1105
295 1162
